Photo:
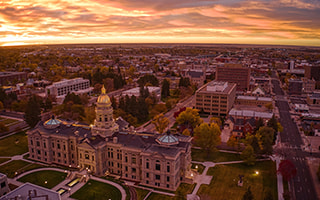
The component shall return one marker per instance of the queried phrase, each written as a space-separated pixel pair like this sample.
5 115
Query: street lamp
196 166
45 182
257 173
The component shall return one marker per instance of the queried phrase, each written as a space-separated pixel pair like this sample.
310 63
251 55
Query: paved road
187 103
301 185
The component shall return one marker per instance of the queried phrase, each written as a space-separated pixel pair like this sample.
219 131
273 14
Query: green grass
225 177
16 144
141 193
184 189
201 156
53 178
97 190
2 160
156 196
200 167
17 166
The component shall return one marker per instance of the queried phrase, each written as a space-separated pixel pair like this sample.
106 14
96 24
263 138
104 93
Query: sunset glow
289 22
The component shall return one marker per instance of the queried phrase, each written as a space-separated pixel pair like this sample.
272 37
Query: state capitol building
162 161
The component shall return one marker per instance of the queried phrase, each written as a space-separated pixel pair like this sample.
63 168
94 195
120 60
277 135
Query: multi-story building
312 72
154 160
295 87
234 73
62 88
4 187
308 85
216 98
8 77
253 100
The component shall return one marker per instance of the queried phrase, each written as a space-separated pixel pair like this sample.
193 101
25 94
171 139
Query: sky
278 22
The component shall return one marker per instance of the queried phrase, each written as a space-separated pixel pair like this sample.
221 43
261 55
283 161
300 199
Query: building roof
195 74
32 192
103 98
217 87
250 113
167 139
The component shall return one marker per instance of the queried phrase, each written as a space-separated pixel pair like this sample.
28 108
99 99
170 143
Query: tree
265 135
3 128
186 132
165 89
287 169
248 155
216 120
207 137
259 123
269 106
190 118
160 122
32 114
248 195
232 142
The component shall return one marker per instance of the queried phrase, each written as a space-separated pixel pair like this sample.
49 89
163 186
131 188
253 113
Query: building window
134 170
58 145
126 168
64 147
158 166
167 185
147 182
92 158
126 159
147 175
38 144
133 159
80 155
44 145
39 152
59 155
147 165
168 178
31 142
52 145
86 156
168 168
157 177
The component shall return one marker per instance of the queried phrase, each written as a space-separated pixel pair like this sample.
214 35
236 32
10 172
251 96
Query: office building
62 88
216 98
234 73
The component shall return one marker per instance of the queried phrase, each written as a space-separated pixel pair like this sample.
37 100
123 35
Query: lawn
97 190
16 144
199 169
225 177
201 156
181 193
156 196
53 178
17 166
141 193
2 160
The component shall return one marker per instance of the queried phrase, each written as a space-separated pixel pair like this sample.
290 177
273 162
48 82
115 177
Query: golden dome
103 98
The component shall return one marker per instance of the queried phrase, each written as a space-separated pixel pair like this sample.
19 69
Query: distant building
30 191
136 91
216 98
253 100
161 161
312 72
247 114
62 88
9 77
308 86
314 98
4 187
196 77
295 87
234 73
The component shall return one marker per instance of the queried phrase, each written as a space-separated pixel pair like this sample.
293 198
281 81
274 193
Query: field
39 178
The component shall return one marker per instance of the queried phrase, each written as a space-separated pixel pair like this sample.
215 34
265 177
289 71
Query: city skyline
284 22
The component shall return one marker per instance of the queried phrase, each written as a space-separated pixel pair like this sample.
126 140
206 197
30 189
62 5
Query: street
301 185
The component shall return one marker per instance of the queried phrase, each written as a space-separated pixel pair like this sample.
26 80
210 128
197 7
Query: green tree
32 114
207 137
232 142
259 123
160 122
265 135
186 132
248 155
190 117
248 195
165 89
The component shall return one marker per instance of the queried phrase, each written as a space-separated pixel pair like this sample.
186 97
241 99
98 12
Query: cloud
247 20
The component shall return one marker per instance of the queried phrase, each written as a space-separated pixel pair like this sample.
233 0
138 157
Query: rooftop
217 87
